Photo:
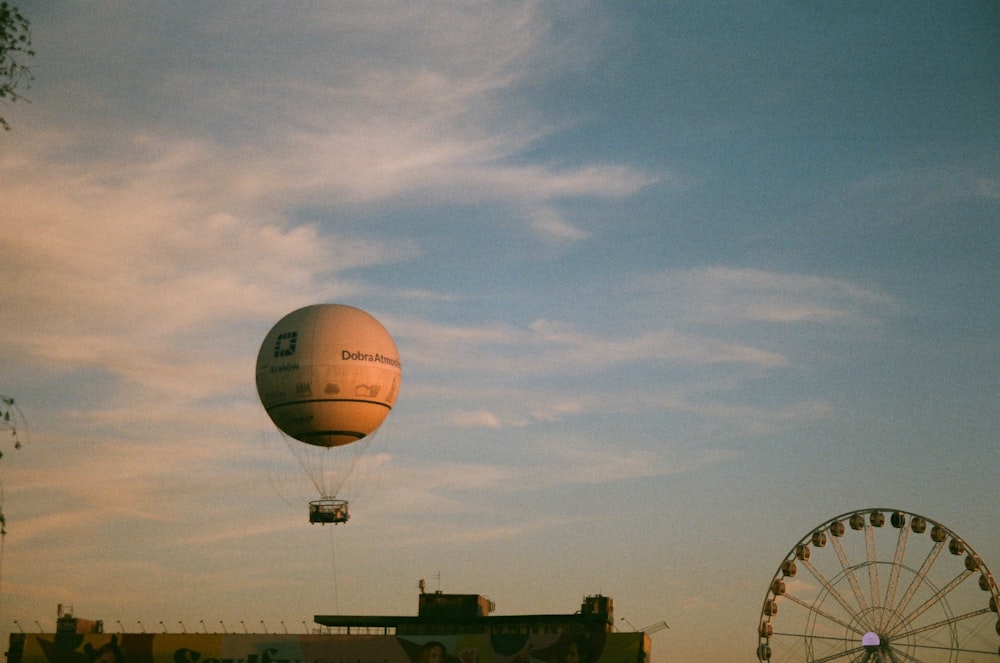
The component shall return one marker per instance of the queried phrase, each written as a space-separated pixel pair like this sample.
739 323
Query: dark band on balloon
329 400
332 433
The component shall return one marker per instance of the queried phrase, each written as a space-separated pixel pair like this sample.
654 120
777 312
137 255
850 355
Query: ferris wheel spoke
798 654
854 655
787 643
852 578
828 586
920 576
897 566
935 599
947 649
896 656
822 613
871 552
944 623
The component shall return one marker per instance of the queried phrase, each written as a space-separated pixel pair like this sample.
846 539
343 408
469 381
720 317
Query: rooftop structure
439 613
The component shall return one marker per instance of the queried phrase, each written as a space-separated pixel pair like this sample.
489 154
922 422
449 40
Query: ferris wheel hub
871 641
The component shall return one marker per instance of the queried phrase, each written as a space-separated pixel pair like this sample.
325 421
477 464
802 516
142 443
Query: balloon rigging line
272 472
333 566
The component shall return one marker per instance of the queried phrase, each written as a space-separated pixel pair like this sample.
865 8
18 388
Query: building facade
449 628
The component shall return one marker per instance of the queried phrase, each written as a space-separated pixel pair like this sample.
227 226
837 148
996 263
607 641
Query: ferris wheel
880 586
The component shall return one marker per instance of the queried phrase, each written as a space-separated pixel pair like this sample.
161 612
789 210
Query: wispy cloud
724 295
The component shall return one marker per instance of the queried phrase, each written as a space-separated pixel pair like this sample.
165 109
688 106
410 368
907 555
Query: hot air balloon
328 375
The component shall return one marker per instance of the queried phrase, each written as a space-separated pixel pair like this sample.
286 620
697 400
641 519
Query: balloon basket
328 510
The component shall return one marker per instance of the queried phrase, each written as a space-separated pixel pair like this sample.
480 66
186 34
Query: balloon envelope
328 374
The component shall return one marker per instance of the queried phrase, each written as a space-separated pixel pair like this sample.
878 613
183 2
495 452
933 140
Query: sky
672 283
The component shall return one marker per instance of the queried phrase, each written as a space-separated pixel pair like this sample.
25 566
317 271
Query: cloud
576 464
588 351
113 268
710 316
724 295
902 191
370 105
481 418
988 187
687 349
549 344
554 229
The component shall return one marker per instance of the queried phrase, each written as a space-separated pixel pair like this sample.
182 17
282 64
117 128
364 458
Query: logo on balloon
377 358
284 345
